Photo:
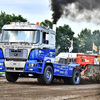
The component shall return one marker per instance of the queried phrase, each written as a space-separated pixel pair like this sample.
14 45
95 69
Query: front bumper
14 66
30 66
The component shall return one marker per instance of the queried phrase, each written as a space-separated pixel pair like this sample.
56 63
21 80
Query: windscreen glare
20 36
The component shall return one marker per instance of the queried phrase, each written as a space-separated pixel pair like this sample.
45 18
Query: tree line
82 43
7 18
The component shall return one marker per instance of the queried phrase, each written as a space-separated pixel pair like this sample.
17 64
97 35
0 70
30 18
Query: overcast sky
39 10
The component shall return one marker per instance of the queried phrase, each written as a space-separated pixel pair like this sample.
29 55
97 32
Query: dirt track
30 89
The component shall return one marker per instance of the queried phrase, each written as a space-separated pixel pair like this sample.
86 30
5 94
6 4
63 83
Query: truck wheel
47 76
11 77
76 77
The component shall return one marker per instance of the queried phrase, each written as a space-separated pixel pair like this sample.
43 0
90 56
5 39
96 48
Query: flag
94 47
71 47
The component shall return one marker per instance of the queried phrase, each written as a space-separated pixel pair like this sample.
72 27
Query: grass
2 72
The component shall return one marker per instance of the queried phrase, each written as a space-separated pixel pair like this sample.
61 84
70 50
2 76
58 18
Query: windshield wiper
24 42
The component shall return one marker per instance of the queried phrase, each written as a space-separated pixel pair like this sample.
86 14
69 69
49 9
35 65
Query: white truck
28 50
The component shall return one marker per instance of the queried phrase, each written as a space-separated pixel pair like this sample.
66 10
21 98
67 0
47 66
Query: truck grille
19 53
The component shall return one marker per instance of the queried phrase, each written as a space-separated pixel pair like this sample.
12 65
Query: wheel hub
48 75
76 77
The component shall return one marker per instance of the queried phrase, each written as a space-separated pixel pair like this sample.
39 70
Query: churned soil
30 89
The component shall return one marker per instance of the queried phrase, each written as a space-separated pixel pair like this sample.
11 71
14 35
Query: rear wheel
47 76
11 77
76 77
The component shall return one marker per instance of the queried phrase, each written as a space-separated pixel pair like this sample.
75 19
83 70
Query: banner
94 47
71 48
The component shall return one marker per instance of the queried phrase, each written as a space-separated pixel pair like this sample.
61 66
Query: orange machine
84 59
89 64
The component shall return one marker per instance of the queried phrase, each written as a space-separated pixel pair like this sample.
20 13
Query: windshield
20 36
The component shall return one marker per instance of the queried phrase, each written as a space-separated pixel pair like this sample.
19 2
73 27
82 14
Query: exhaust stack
54 27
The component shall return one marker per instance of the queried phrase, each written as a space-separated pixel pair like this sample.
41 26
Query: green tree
86 40
47 23
63 36
75 45
7 18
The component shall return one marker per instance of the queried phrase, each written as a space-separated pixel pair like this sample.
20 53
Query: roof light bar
19 23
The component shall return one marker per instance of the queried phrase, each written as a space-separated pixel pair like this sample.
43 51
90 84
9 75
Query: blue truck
28 50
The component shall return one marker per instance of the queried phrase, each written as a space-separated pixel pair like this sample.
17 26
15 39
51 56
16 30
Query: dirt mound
84 80
90 80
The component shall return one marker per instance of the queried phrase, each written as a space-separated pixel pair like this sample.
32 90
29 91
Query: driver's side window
44 37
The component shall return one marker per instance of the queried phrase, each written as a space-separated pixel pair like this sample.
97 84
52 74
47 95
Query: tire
76 77
11 77
47 76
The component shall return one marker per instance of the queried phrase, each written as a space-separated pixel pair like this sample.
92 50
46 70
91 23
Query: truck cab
25 47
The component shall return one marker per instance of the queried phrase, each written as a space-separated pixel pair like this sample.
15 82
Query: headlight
1 64
30 69
32 65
